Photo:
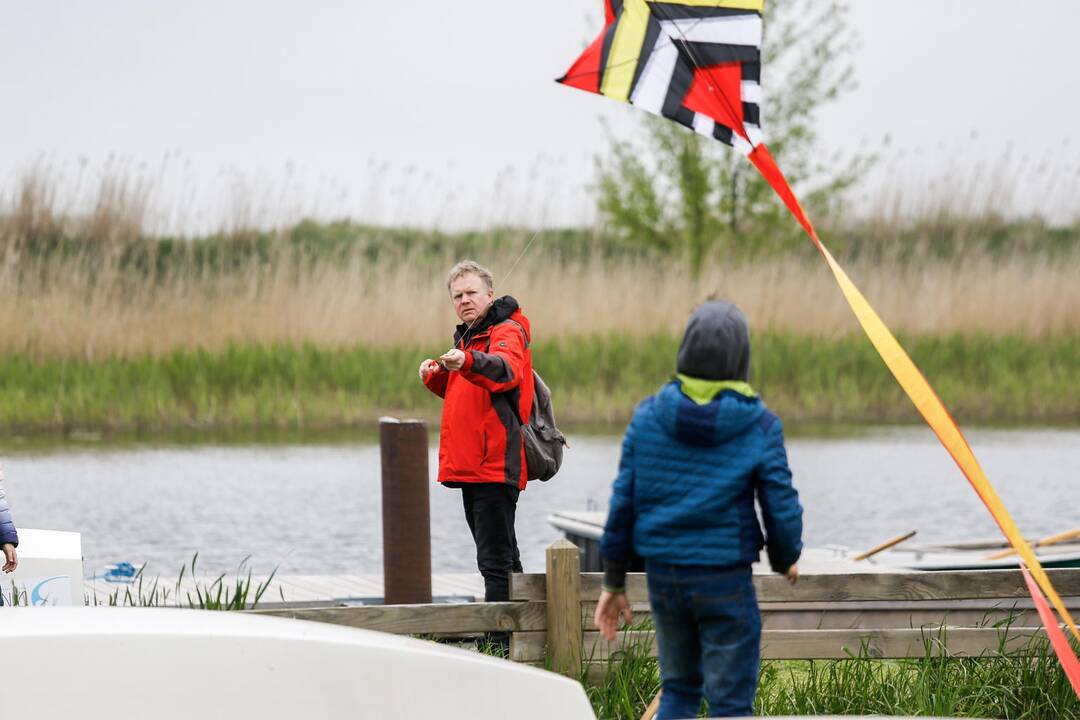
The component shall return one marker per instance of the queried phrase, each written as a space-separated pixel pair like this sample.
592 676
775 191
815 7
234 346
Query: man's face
471 298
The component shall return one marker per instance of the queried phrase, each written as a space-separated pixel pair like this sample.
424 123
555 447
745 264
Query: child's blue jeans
708 634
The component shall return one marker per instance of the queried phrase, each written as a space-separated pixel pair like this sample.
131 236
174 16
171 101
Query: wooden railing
886 615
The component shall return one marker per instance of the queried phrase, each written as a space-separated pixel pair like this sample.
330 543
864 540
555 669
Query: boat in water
584 528
972 555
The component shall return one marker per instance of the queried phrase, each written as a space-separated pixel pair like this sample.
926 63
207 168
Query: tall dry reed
69 286
74 307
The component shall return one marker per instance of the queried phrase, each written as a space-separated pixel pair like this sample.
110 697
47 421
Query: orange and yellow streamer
922 395
1057 638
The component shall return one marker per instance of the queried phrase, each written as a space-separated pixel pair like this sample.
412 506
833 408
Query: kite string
465 335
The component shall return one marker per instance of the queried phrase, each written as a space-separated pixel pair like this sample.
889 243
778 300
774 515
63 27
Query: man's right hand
428 367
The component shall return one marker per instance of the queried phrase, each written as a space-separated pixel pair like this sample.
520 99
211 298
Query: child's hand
11 558
608 610
792 574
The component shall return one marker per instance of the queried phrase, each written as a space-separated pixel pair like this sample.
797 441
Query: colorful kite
695 63
698 62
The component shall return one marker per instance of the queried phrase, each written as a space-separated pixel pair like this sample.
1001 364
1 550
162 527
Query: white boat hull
956 557
177 664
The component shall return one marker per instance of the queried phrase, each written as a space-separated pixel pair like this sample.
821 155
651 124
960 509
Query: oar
654 707
1051 540
885 546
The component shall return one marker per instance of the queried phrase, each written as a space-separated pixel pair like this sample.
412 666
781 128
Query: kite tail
1057 638
920 392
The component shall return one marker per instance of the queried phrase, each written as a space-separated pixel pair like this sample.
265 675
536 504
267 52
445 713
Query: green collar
704 391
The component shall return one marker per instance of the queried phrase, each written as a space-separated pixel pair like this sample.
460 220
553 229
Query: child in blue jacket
694 458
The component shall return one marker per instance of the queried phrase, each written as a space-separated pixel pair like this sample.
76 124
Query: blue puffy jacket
687 481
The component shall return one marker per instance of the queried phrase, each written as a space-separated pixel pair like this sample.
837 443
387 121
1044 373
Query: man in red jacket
486 383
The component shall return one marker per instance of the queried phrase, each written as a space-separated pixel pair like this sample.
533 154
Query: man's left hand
453 360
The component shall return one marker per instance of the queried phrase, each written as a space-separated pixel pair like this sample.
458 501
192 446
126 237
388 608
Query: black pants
489 511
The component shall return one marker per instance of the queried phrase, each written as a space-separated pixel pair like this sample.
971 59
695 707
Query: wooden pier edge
891 643
434 619
855 587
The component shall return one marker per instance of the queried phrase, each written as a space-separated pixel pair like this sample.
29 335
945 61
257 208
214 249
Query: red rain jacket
486 402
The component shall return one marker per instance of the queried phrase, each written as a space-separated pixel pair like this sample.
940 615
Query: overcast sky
447 113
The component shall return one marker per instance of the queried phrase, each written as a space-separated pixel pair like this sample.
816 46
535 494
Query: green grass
215 594
1027 684
992 686
597 379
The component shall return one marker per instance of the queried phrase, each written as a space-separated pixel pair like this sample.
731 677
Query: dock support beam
564 638
406 517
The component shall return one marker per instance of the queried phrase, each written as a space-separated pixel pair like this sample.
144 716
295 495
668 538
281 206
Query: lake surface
313 509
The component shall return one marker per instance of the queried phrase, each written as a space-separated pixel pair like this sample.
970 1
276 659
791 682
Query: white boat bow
177 664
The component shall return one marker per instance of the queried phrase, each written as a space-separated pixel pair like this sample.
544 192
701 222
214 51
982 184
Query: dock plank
307 589
426 619
942 585
813 644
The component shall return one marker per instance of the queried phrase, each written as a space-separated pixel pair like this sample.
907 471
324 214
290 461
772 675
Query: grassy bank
596 379
104 327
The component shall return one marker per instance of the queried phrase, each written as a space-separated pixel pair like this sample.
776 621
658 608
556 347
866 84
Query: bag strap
525 339
524 336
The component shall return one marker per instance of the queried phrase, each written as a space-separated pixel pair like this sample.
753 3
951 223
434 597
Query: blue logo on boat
123 572
35 594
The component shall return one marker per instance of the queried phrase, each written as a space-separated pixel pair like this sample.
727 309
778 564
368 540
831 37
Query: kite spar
698 63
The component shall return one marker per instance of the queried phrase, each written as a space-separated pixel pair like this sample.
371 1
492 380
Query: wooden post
406 517
564 638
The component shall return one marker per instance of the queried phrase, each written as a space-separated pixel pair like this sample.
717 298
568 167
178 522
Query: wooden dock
549 616
824 616
297 590
346 590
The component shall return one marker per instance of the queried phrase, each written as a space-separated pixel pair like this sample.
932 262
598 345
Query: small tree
676 190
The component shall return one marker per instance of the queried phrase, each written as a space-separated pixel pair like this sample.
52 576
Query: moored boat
977 555
584 529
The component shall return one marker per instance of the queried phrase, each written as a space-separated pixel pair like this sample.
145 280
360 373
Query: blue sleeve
617 542
780 508
7 526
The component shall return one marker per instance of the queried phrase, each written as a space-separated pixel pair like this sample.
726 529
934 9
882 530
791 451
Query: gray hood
716 344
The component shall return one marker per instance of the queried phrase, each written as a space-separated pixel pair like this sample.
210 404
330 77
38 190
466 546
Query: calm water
316 509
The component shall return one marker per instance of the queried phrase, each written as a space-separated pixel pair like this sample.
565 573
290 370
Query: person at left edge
9 538
486 382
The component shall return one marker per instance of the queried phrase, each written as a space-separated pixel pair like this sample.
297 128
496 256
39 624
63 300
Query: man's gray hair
466 267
